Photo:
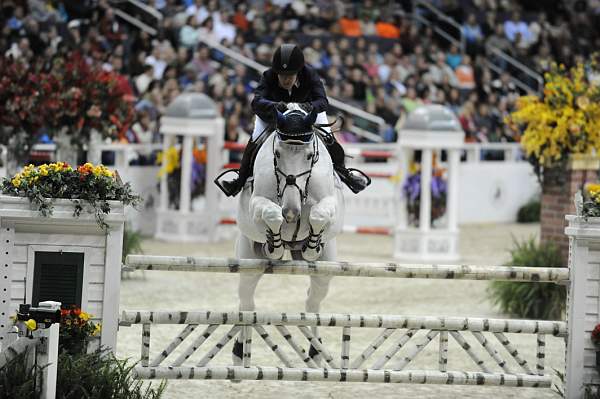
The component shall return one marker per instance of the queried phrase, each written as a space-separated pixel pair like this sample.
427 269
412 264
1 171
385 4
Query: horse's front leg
321 215
263 210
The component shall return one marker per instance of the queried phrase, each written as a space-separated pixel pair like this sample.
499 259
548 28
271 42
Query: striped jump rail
377 175
357 269
354 152
397 342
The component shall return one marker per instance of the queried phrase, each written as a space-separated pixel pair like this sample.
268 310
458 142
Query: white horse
293 202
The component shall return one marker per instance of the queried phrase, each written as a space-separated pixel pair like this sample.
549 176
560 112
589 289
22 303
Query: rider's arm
261 106
318 96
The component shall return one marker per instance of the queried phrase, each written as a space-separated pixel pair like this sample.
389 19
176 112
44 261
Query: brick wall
558 201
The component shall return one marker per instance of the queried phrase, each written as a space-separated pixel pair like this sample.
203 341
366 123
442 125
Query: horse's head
295 153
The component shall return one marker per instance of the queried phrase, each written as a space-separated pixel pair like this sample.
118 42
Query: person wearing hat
289 80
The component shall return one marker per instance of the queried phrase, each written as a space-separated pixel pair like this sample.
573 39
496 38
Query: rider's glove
306 107
281 106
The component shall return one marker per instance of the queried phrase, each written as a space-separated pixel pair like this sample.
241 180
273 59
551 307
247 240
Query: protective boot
353 178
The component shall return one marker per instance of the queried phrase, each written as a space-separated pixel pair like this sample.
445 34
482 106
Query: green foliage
132 242
531 300
530 212
89 184
17 378
100 375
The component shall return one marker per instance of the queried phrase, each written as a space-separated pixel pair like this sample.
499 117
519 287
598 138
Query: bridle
290 180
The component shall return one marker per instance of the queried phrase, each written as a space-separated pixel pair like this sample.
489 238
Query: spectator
465 75
472 34
453 58
350 25
385 28
189 35
516 25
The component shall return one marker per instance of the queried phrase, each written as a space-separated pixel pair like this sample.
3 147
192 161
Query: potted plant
65 99
562 123
90 188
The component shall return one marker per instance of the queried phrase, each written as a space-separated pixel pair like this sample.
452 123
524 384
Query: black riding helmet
295 125
288 59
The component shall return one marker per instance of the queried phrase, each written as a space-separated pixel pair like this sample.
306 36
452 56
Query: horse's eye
309 156
277 154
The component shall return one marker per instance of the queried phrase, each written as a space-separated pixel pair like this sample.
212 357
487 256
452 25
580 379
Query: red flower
596 335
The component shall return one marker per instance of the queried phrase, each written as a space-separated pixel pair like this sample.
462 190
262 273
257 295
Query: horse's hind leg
319 287
246 290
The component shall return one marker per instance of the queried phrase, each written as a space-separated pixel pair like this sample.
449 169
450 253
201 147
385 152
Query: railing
496 52
533 75
459 41
332 101
136 21
475 152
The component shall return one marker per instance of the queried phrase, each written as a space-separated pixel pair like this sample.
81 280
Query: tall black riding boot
231 188
353 178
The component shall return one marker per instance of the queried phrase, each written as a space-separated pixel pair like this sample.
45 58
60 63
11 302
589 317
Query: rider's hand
306 107
281 106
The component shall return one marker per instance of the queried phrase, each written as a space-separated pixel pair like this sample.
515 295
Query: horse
292 202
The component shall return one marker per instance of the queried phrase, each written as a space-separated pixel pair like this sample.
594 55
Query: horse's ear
279 119
311 118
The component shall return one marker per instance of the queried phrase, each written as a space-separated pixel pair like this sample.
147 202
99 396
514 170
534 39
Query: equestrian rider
290 81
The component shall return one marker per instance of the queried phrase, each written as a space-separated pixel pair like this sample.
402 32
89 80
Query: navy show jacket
268 93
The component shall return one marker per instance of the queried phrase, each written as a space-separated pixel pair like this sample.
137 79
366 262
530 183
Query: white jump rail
356 269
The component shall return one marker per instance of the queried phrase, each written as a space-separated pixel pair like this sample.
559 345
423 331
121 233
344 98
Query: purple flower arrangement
411 189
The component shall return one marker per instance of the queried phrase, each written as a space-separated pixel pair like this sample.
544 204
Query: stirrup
228 191
350 180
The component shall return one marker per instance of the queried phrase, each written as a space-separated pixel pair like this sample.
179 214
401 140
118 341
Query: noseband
290 180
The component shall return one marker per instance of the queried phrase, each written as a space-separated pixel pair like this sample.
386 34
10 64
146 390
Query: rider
290 81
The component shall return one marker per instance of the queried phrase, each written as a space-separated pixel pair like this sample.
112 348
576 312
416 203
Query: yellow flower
97 329
31 325
16 181
43 170
583 102
84 316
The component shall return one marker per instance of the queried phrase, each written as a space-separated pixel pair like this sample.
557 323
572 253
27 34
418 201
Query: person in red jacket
289 81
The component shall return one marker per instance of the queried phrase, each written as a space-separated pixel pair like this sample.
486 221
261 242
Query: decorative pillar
425 203
583 305
453 175
164 189
430 128
185 183
193 116
558 191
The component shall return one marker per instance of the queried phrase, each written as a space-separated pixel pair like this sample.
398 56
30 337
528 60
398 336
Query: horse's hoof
311 255
276 254
313 352
237 353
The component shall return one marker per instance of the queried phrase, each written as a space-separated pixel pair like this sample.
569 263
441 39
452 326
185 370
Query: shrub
132 242
531 300
100 375
18 378
530 212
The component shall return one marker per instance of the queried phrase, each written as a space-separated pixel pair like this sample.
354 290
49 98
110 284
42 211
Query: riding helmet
288 59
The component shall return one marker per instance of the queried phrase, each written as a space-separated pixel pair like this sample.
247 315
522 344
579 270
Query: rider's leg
233 187
355 181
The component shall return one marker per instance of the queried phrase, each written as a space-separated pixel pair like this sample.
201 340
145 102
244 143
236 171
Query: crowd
371 54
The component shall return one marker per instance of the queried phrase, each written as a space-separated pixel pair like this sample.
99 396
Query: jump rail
357 269
407 337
